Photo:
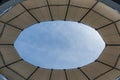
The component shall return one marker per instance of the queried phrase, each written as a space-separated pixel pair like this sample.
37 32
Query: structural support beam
2 31
50 74
88 11
66 74
117 61
11 63
103 74
112 44
32 73
107 25
16 72
102 15
12 26
67 10
84 73
15 17
107 65
2 58
117 29
6 44
30 13
49 10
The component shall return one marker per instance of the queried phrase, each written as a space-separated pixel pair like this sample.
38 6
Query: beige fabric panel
41 74
1 27
10 74
95 69
118 25
75 74
58 12
1 61
75 13
95 20
110 34
16 10
9 35
83 3
23 21
58 2
118 63
42 14
34 3
58 75
112 75
110 55
9 54
107 11
23 68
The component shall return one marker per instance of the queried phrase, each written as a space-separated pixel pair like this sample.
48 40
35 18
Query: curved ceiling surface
91 12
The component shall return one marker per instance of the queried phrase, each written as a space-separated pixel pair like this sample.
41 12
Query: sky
59 44
2 77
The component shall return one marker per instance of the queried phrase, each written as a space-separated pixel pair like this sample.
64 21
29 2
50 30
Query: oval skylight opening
2 77
118 78
59 44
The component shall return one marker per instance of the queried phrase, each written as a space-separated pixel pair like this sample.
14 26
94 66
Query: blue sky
59 44
2 77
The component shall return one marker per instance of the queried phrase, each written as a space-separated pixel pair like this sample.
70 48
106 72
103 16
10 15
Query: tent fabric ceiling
91 12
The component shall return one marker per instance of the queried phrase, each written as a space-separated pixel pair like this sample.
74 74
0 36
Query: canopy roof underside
91 12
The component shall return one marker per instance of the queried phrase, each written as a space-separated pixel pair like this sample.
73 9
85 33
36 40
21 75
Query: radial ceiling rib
88 11
12 25
6 66
61 10
12 63
75 74
15 17
16 72
95 69
50 74
78 6
58 5
102 15
103 74
107 24
2 58
37 7
111 75
32 73
112 44
67 10
117 61
6 44
84 73
107 65
66 74
118 64
117 29
49 10
2 31
29 12
9 35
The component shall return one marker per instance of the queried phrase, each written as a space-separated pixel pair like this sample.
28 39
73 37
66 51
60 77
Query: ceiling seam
88 11
30 13
68 5
49 10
